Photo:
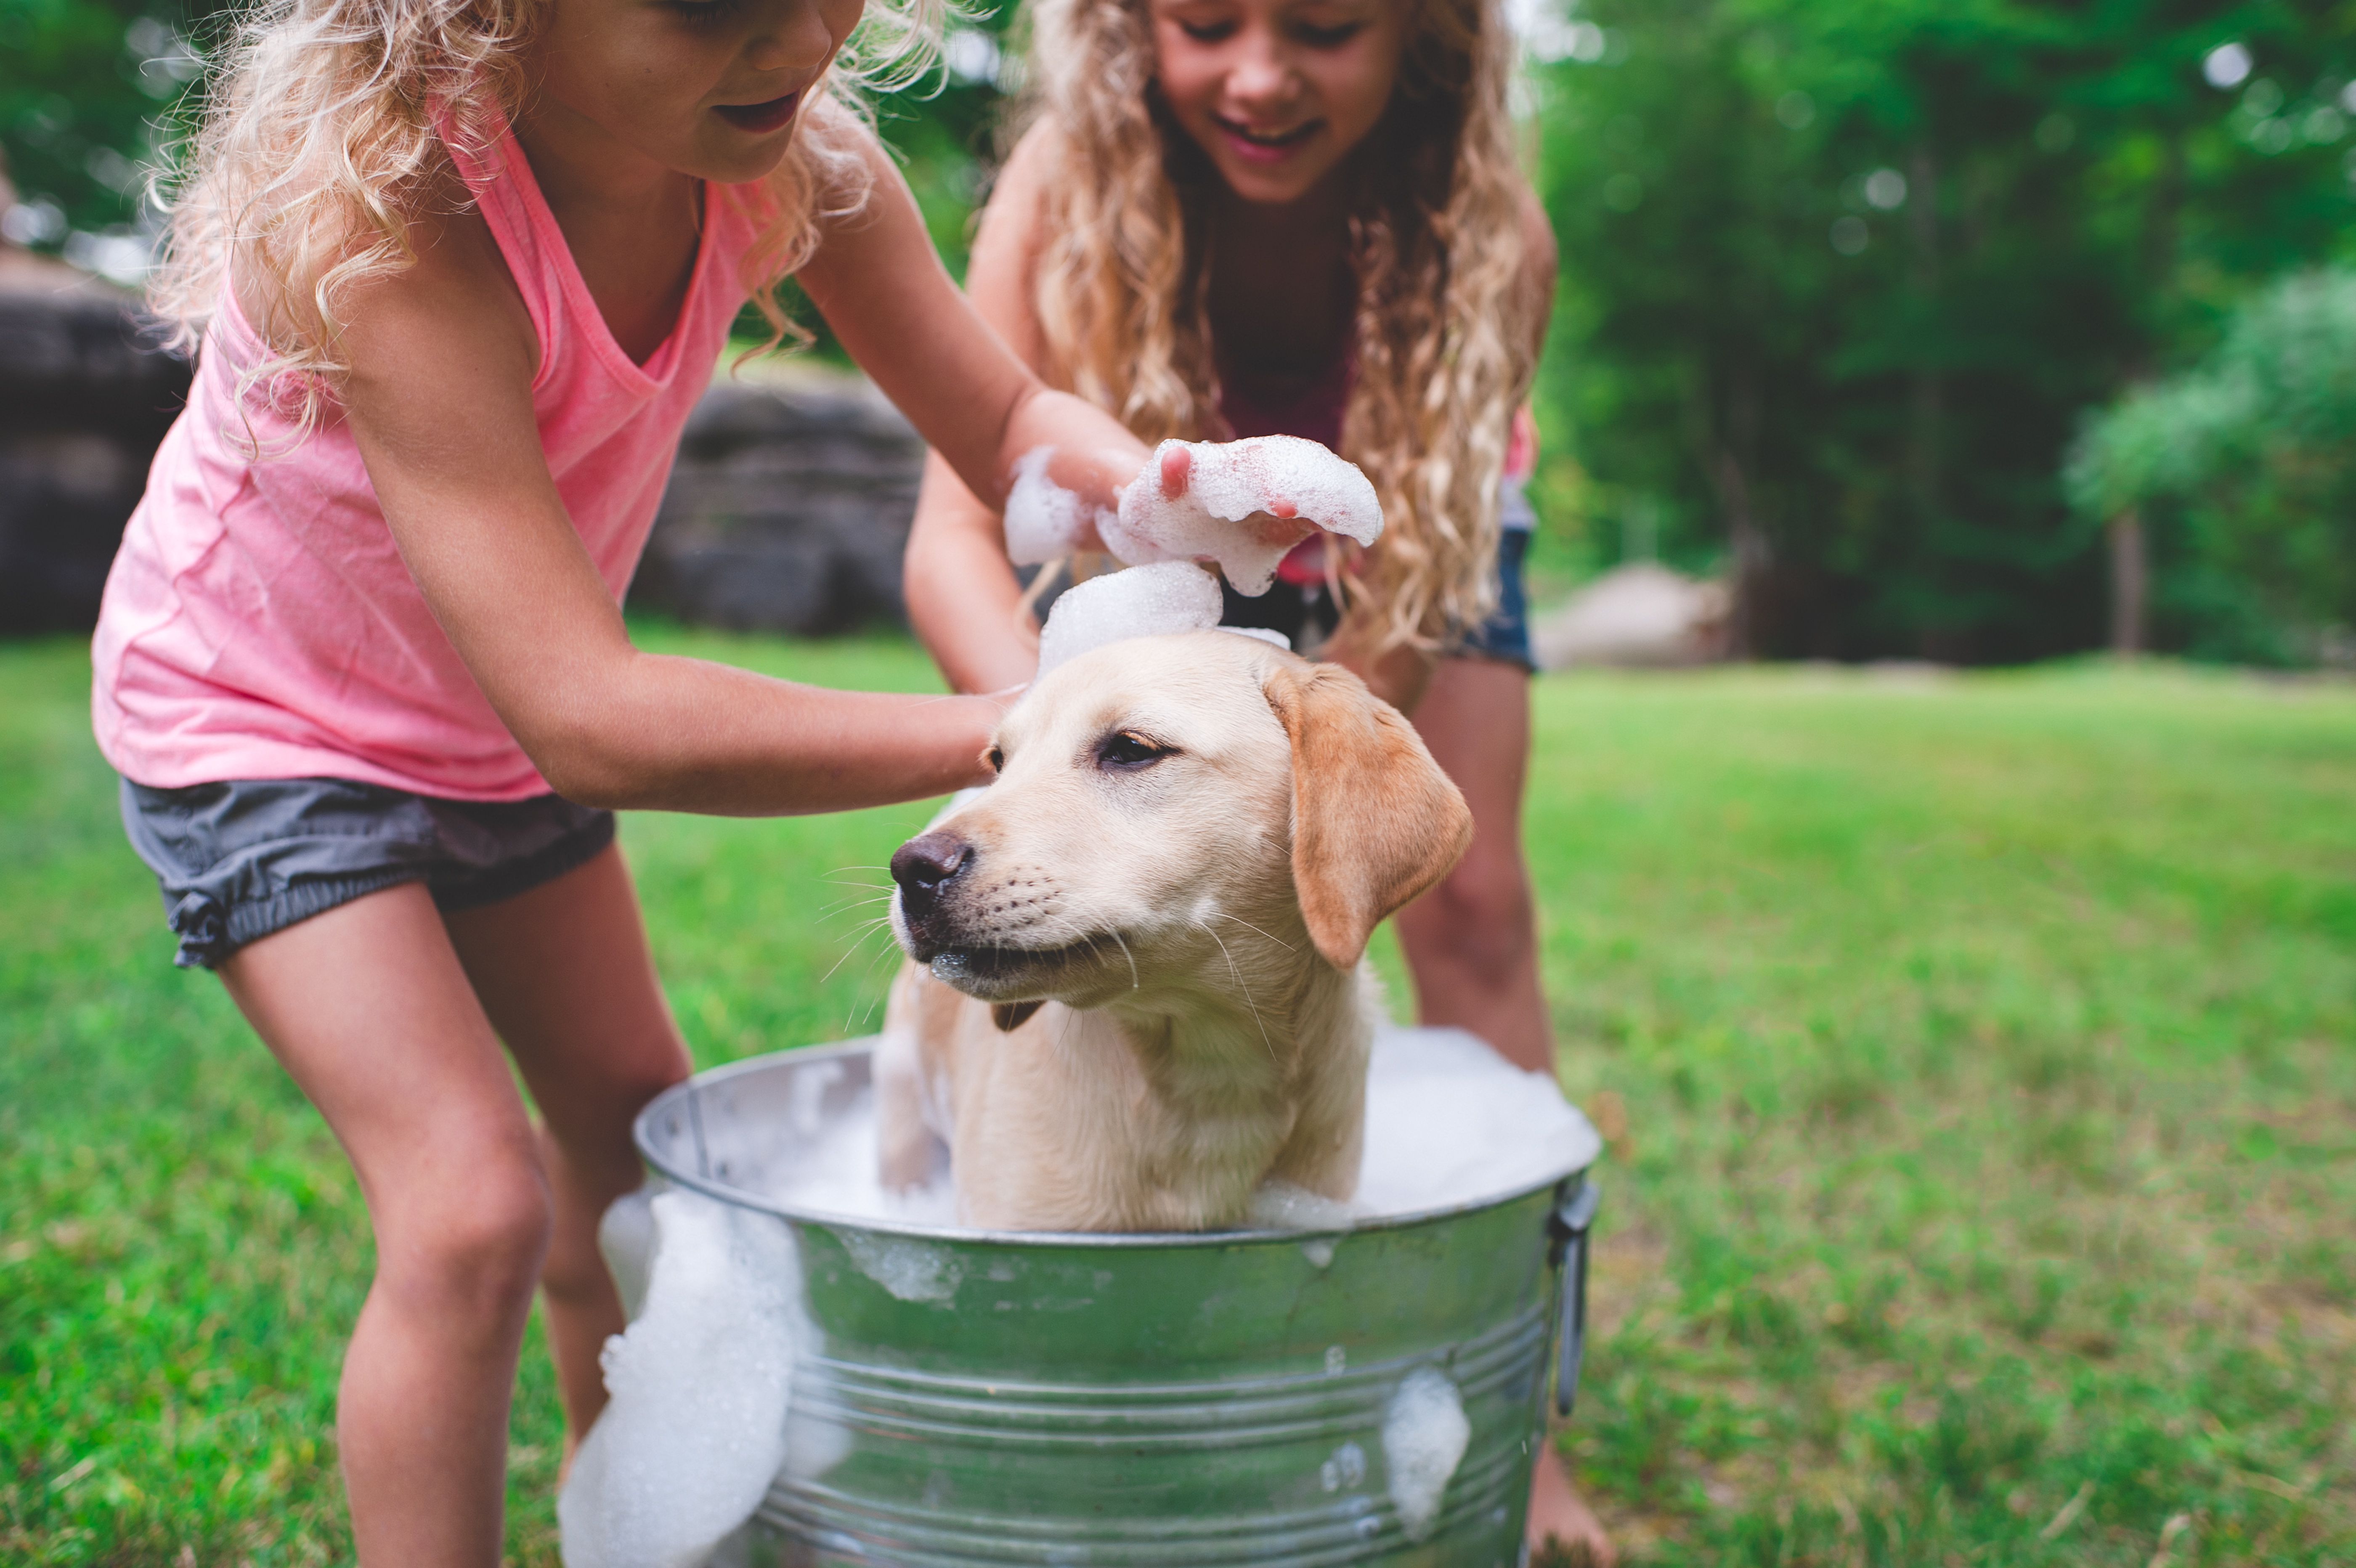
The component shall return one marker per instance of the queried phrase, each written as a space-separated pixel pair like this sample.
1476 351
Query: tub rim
1566 1183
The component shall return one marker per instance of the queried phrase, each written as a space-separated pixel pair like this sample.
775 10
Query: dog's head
1170 806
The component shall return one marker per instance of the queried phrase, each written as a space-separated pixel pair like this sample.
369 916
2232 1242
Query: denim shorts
238 861
1307 614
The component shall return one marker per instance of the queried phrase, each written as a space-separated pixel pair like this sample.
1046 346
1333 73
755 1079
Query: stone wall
84 398
788 511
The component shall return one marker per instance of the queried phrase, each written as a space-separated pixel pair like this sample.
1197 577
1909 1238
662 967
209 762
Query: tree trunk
2130 584
1927 400
1745 541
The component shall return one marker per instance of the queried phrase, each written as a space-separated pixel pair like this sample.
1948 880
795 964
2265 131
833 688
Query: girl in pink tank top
455 271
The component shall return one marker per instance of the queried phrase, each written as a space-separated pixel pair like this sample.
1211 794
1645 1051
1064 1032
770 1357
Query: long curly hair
1444 316
321 143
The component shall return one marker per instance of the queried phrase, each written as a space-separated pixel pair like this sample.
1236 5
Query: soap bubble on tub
695 1428
910 1270
1144 601
1425 1433
1345 1469
1282 1206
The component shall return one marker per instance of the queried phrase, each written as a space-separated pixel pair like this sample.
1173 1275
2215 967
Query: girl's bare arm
439 400
963 597
890 301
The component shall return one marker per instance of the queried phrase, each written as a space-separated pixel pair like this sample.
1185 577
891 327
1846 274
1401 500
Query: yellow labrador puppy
1135 997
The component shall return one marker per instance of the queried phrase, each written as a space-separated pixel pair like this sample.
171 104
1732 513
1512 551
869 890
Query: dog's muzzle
927 868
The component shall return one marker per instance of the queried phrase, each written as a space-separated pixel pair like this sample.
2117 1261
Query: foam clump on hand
1244 505
1144 601
695 1431
1045 522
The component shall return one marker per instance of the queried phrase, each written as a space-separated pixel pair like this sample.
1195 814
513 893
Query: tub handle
1573 1214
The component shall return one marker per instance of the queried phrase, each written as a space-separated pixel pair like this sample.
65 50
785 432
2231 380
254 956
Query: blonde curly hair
1445 318
321 142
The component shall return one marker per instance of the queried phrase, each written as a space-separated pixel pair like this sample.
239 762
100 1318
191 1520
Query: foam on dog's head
1290 487
1143 601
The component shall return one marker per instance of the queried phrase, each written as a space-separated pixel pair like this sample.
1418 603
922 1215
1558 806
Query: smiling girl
1234 217
457 270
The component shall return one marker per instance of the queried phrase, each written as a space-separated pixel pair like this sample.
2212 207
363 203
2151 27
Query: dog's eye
1129 752
996 758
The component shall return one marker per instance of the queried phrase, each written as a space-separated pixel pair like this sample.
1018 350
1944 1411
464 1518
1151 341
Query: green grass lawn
1976 1057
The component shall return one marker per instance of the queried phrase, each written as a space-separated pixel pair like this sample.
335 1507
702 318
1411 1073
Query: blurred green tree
1839 276
2241 475
88 89
91 89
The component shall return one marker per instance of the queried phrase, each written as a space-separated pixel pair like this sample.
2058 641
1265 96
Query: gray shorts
240 860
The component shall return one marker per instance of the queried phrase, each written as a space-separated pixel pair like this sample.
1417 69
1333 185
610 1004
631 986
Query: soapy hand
1241 505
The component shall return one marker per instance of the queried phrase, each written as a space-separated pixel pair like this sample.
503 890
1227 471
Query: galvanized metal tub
1166 1399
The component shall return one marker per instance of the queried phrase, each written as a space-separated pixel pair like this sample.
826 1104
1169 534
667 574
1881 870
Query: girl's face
1276 91
708 88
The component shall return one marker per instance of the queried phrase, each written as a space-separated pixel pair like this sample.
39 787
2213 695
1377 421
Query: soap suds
1449 1122
1345 1469
913 1271
695 1431
1144 601
1245 505
1280 1206
1043 519
1425 1433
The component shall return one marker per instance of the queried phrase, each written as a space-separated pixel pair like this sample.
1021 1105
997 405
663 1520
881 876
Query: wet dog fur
1134 995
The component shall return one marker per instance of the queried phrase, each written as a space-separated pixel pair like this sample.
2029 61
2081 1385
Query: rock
788 510
84 398
1641 614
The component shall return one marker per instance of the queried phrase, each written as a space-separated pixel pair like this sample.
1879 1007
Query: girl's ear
1374 822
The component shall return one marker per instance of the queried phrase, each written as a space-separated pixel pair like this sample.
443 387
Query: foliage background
2245 470
1842 278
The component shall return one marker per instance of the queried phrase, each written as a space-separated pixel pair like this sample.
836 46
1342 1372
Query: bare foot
1562 1528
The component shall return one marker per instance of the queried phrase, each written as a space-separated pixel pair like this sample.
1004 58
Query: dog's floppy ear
1374 822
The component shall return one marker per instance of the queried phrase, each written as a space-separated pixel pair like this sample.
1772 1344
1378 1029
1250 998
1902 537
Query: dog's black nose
924 865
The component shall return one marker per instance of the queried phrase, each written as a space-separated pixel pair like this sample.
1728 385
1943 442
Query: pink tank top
259 623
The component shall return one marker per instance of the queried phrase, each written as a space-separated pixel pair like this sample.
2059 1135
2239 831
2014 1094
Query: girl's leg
368 1010
564 974
1471 942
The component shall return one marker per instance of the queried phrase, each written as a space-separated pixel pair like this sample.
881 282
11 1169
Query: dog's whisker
855 903
866 977
841 904
1243 988
1280 942
879 923
1134 984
